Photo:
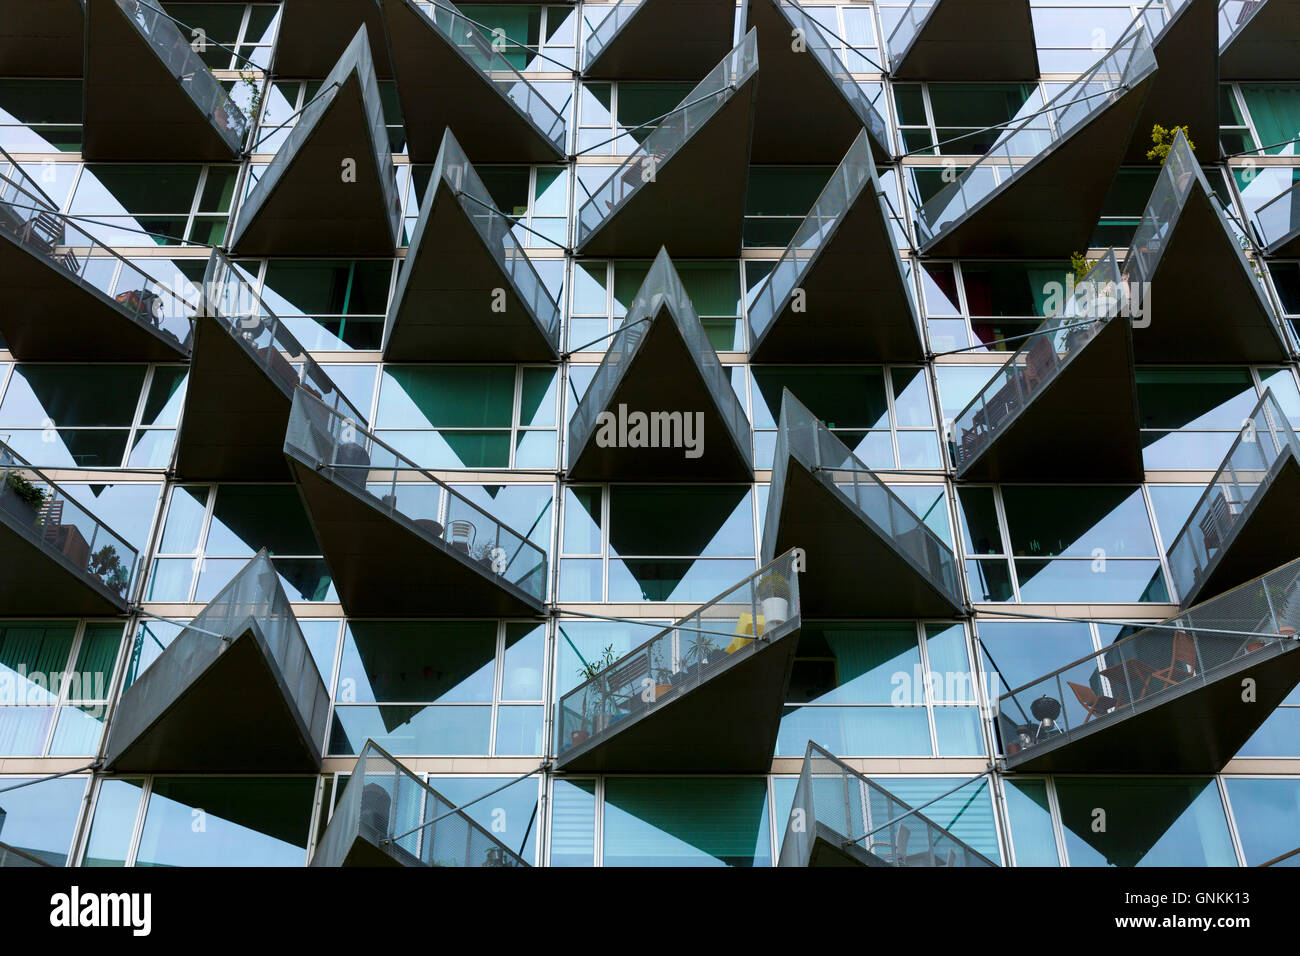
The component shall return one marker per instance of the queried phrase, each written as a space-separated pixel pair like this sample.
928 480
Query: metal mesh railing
1089 308
1257 619
43 512
1127 63
908 26
663 142
31 220
802 436
497 231
1278 220
394 809
231 300
867 817
761 609
608 28
1246 473
191 73
340 448
662 288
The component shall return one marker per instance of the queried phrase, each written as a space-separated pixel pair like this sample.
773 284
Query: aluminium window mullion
1054 815
137 832
927 699
201 545
1008 552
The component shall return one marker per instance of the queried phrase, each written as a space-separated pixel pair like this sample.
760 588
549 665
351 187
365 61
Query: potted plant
773 599
663 679
599 695
26 492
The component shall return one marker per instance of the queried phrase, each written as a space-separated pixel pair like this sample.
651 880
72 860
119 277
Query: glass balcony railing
253 594
480 52
866 818
1233 16
663 142
908 26
825 49
608 28
662 287
31 220
189 70
1098 298
838 197
1278 220
810 442
1177 178
340 449
1153 665
1127 63
497 231
230 299
41 511
761 609
1247 470
397 812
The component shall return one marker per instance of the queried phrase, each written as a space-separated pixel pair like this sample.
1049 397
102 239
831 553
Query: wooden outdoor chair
1096 705
1182 662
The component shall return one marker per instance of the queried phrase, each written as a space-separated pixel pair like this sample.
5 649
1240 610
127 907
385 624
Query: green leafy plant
773 585
606 660
27 492
1163 140
1081 265
256 88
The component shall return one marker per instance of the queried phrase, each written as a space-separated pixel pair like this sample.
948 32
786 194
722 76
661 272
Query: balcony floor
42 39
1265 49
984 40
667 40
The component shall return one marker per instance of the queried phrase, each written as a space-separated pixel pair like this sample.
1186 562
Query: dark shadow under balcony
149 97
684 186
71 298
388 816
1244 523
839 292
313 31
56 557
810 107
1064 406
660 405
42 39
1039 190
331 189
467 290
1185 265
236 691
704 695
659 40
450 75
1278 223
874 557
1257 39
245 368
842 818
964 40
397 540
1187 94
1167 698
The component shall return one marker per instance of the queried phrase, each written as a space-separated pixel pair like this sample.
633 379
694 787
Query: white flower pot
775 611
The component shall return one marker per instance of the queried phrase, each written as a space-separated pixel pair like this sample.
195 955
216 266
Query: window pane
686 822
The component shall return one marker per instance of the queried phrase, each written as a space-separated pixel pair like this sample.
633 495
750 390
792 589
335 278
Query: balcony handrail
11 463
909 22
663 142
599 38
251 319
337 422
1113 74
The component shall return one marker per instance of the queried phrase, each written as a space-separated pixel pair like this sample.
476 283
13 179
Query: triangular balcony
684 186
236 691
450 75
71 298
331 189
1203 301
842 818
149 97
964 40
312 32
660 405
1168 698
1278 223
1186 36
874 556
388 816
56 557
399 542
810 107
42 39
467 290
1040 189
1241 527
245 368
1257 39
704 695
839 292
1064 406
659 40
